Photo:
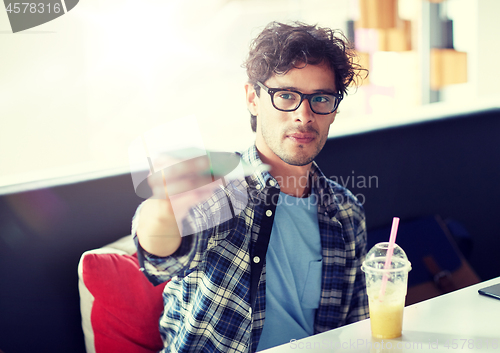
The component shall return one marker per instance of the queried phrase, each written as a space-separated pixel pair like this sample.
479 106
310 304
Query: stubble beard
292 158
296 160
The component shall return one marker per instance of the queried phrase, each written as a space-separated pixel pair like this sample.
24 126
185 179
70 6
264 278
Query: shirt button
256 259
272 182
269 213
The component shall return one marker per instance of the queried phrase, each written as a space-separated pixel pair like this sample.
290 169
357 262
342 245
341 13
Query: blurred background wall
74 92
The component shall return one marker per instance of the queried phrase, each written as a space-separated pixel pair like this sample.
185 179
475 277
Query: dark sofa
448 167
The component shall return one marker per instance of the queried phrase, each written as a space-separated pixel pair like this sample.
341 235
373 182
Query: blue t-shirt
293 272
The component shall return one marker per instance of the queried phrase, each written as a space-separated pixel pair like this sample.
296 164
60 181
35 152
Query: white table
461 321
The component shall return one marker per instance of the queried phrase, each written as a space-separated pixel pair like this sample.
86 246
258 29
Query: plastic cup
386 308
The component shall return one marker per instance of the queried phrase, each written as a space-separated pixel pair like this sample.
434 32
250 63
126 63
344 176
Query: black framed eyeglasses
287 100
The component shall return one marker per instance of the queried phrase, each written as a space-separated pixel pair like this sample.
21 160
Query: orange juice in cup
386 300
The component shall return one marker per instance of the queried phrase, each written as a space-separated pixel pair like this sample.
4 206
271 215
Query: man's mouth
302 137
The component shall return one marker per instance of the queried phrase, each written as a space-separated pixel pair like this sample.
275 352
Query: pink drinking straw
388 258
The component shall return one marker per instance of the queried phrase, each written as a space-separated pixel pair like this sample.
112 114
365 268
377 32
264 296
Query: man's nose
304 112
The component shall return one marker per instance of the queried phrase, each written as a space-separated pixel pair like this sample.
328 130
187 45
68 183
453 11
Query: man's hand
188 183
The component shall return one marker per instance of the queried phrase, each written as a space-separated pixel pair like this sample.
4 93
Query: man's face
295 137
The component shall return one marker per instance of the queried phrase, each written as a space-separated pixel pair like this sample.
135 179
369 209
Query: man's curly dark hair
281 47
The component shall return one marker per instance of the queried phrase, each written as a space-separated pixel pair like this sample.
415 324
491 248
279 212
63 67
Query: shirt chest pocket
311 292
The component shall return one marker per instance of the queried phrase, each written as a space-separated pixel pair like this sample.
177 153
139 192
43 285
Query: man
288 265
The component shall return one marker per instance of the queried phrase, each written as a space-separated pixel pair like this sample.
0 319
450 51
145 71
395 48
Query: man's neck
293 180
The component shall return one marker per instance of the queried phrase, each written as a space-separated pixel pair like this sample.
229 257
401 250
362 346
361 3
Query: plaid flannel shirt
207 301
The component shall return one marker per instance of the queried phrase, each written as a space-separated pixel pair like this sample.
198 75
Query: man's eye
320 99
287 96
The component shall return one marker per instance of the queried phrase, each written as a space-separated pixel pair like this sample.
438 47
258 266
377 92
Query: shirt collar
261 178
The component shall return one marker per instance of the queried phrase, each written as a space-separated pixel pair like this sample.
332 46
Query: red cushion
126 306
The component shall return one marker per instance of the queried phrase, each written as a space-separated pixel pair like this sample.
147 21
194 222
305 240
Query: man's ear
251 98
